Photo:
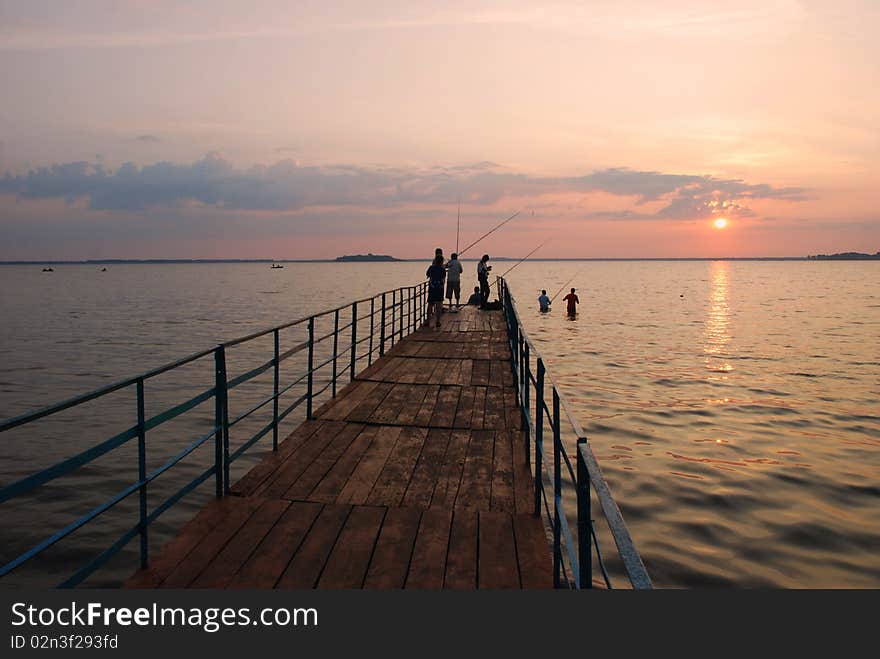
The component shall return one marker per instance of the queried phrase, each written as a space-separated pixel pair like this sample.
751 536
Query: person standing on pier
483 269
573 301
453 280
436 275
544 302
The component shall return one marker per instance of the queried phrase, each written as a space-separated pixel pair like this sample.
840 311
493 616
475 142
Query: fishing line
489 232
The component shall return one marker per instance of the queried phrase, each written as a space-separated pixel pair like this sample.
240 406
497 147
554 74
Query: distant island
846 256
349 258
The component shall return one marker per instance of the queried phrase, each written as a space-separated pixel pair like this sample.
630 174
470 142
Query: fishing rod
525 257
566 284
494 229
458 225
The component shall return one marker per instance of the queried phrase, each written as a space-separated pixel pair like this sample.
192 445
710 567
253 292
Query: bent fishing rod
525 257
566 284
492 230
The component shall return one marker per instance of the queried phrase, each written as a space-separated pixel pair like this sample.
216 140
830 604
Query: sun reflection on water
717 329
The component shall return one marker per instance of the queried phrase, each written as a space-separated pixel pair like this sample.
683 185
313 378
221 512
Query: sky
297 130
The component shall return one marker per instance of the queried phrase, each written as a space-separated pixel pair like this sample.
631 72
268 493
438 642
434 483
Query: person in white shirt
453 280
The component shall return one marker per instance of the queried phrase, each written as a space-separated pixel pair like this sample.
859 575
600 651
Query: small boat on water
48 270
275 266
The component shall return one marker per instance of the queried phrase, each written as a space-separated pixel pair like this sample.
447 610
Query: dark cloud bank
214 181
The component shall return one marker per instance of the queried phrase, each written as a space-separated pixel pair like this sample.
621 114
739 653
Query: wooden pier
413 476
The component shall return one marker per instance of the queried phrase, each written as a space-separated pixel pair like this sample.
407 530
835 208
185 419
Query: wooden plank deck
414 476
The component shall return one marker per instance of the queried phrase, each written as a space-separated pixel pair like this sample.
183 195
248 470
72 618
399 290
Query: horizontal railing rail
572 554
392 315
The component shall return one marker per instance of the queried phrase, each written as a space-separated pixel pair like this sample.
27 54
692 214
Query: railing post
539 436
372 331
526 382
522 376
335 350
275 395
310 375
557 493
220 419
354 334
142 469
393 316
401 314
585 563
382 328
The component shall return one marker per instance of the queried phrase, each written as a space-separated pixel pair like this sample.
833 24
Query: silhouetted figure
544 301
476 299
573 301
483 269
436 275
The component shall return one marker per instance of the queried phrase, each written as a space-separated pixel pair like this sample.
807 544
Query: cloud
286 186
148 138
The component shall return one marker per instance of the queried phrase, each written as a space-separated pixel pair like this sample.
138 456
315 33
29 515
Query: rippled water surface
733 405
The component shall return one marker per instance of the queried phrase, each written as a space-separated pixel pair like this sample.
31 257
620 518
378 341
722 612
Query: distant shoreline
424 260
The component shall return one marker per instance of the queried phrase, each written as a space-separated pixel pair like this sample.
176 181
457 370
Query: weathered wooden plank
475 488
364 476
391 556
465 410
449 476
494 419
523 479
428 366
223 567
305 568
465 373
411 406
480 373
502 474
498 562
347 565
389 410
447 404
339 408
424 478
428 565
331 486
302 487
478 420
364 410
163 562
461 561
423 417
289 471
248 483
211 544
533 552
398 469
269 560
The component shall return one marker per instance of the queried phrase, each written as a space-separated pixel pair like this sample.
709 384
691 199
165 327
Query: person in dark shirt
436 275
475 298
483 269
573 301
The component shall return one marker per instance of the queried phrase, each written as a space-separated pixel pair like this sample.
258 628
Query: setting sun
720 223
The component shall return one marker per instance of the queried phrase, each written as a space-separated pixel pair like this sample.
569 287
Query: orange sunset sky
275 129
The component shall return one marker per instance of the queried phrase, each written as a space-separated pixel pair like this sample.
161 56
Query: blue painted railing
392 315
572 555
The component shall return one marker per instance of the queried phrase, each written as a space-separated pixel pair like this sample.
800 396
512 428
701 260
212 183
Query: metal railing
392 315
572 557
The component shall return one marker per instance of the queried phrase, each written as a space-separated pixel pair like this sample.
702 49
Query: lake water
733 406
